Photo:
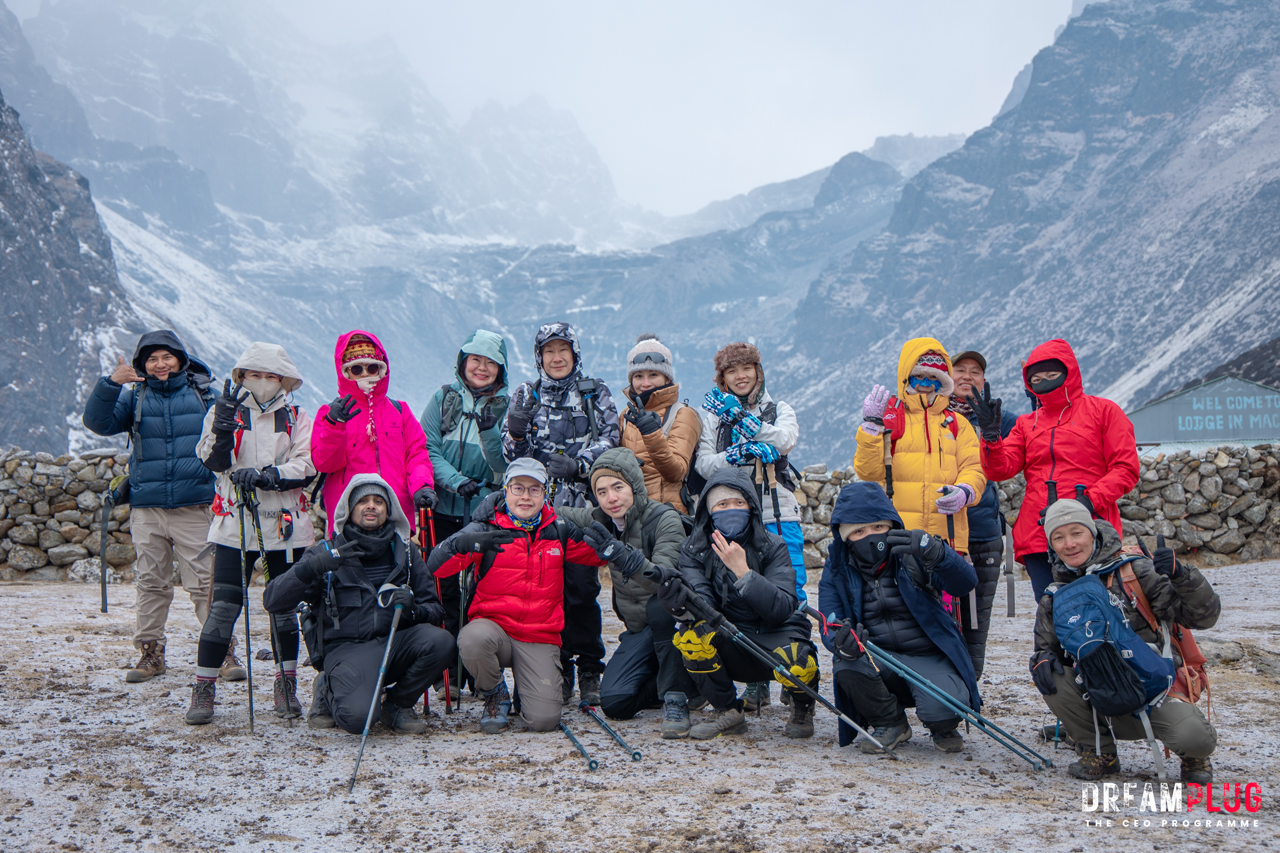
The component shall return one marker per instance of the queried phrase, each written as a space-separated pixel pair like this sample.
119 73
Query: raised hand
225 408
987 413
124 372
341 410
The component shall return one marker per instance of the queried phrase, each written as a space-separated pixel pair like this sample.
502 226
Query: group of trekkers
467 542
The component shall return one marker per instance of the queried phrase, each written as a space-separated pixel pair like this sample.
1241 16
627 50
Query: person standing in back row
564 421
660 430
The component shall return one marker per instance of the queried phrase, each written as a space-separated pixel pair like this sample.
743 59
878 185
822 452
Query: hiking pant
986 563
158 536
228 601
582 637
645 667
418 653
1178 725
450 589
738 664
486 649
1041 574
883 697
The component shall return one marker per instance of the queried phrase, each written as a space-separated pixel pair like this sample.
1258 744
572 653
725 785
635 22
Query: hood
557 332
159 338
1072 389
269 358
862 503
1107 544
623 461
735 478
910 355
492 346
347 386
341 511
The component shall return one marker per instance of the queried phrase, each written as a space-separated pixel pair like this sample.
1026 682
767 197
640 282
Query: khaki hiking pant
1178 725
486 649
158 536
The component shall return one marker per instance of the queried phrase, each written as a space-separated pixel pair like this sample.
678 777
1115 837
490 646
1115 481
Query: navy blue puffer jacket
164 471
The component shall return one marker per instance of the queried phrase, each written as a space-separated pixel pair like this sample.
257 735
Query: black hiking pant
986 563
883 697
219 626
449 591
645 667
582 638
418 654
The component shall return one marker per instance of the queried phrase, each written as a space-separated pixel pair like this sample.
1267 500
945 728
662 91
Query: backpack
451 408
587 389
649 526
199 382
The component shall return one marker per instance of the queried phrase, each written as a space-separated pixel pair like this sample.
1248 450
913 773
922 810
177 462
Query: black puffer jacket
886 616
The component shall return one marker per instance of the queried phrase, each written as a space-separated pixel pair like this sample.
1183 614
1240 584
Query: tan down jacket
668 452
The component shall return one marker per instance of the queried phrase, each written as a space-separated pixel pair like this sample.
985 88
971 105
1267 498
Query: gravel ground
91 763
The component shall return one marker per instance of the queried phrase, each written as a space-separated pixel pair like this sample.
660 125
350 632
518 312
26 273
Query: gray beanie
364 489
1067 512
719 493
650 354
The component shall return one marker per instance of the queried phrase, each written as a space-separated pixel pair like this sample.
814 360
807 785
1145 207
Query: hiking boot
888 736
675 716
201 710
1198 771
318 716
286 697
496 715
697 702
1092 766
403 720
232 669
801 722
728 722
566 682
150 664
589 687
756 696
948 741
1056 733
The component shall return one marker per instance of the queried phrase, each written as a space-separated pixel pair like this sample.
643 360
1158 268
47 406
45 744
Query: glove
225 408
482 543
324 558
647 422
1088 504
425 498
562 467
490 413
120 490
401 596
520 413
954 498
746 454
986 412
1043 665
848 642
722 405
696 644
799 663
245 479
672 595
629 560
341 410
927 550
268 479
1163 558
469 489
875 403
746 427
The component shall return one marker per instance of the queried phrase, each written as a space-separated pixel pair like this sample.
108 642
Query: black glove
987 412
245 479
425 498
341 410
672 595
928 550
847 640
647 422
1083 497
401 596
469 489
324 558
269 479
489 415
1043 665
1163 558
562 467
224 410
607 547
520 414
481 543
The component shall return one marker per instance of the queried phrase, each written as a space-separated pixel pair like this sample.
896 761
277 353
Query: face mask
1044 386
732 523
367 383
870 551
263 390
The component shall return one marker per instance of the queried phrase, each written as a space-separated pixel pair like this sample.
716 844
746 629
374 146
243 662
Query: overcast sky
696 100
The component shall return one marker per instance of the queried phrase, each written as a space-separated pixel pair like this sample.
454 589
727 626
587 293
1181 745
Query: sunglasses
286 524
655 357
362 369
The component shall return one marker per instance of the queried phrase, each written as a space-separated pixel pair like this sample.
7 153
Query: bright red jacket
382 439
524 589
1072 438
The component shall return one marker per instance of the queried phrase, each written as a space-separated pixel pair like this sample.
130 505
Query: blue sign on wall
1225 408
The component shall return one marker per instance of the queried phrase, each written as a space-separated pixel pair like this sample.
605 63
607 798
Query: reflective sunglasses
361 369
655 357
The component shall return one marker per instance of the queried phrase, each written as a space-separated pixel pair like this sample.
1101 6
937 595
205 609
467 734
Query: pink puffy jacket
384 439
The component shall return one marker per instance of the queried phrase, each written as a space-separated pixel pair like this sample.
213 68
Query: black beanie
1047 364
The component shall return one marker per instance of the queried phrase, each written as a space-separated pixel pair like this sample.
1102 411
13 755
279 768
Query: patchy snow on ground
91 763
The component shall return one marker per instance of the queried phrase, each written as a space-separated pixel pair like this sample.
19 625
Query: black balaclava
1047 385
870 552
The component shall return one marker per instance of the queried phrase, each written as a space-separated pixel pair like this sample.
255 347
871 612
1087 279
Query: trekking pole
591 712
102 550
771 477
262 556
700 609
244 596
1008 571
382 674
999 735
426 554
592 764
888 462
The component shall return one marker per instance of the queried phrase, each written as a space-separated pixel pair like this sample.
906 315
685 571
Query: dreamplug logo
1232 803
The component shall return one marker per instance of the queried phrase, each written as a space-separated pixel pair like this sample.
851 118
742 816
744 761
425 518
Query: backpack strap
670 419
399 406
649 527
450 409
135 430
1129 582
587 391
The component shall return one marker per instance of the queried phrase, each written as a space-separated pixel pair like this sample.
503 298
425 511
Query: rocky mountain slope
1260 364
1130 203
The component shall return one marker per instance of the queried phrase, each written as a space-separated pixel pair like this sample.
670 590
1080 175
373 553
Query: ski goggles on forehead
361 369
654 357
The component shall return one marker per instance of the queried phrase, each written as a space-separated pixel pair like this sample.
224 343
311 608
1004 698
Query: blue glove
746 427
724 406
746 454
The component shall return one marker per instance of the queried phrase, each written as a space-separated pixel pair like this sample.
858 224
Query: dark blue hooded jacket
840 590
164 471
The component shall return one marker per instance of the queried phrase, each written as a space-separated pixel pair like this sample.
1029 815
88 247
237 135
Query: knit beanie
1067 512
719 493
734 354
658 360
364 489
933 365
359 348
597 473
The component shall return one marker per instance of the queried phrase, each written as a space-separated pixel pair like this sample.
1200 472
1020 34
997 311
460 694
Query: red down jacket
1072 438
524 589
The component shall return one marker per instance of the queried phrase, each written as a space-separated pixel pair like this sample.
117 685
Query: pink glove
954 498
876 402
